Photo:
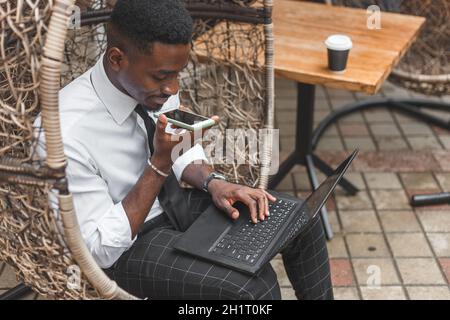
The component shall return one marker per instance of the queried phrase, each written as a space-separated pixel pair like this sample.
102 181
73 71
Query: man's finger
216 119
162 122
270 197
260 198
229 209
251 204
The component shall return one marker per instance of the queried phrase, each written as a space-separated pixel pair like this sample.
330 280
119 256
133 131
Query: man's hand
164 142
225 194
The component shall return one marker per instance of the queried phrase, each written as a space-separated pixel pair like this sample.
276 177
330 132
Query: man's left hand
225 194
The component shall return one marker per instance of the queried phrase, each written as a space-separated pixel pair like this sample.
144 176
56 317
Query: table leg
302 153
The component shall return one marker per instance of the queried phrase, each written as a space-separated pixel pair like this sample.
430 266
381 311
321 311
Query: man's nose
171 88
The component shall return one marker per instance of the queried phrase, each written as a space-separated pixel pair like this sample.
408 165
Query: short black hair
143 22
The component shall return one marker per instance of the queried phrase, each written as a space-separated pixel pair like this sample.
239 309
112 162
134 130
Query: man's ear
116 59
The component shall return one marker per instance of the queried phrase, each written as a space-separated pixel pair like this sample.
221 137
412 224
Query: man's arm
141 197
225 194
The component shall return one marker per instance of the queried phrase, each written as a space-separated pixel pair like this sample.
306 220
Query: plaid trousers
153 269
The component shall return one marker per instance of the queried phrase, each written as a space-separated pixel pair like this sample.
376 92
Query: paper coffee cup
338 46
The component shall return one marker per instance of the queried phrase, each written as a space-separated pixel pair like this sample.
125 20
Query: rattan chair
230 74
424 69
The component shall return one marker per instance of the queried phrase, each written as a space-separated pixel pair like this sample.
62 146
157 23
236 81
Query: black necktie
171 197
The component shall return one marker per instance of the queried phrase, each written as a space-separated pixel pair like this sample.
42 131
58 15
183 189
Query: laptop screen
318 198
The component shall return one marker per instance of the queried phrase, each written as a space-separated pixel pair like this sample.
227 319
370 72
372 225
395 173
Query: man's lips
159 100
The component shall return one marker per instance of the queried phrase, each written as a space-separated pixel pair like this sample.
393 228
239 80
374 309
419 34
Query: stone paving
378 235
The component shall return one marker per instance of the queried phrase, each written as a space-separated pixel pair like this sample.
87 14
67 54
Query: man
119 178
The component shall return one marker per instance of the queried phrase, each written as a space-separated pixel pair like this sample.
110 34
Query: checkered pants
152 268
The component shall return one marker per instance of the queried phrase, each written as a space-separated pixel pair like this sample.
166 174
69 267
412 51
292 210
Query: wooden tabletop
300 29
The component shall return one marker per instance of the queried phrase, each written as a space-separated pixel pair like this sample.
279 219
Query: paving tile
345 293
357 179
440 242
440 131
321 104
390 199
285 103
385 129
364 143
286 184
421 271
288 294
445 141
443 160
335 94
367 246
424 143
420 129
331 131
330 143
319 115
383 293
301 181
403 118
399 221
359 201
428 292
8 278
285 118
341 272
405 161
353 129
278 267
419 181
336 247
391 143
378 115
444 180
382 180
409 245
359 221
435 221
375 272
355 117
287 143
445 265
334 222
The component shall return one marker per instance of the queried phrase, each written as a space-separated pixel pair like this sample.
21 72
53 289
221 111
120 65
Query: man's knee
262 287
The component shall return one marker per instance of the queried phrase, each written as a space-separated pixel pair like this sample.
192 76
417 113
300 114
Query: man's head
148 45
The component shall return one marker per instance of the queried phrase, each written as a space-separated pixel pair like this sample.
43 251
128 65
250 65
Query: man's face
152 77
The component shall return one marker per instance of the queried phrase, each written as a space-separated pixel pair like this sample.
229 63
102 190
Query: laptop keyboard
249 241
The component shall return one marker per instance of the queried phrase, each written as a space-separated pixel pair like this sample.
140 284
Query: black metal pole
15 293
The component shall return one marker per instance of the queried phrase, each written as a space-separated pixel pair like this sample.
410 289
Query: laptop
246 247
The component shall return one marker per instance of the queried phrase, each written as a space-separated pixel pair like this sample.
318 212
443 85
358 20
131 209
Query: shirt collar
119 104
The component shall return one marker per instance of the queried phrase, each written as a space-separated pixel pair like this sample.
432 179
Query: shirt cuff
115 229
196 153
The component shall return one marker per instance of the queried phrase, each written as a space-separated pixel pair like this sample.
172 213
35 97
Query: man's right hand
164 142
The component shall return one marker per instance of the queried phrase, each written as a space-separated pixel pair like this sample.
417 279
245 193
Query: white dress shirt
107 150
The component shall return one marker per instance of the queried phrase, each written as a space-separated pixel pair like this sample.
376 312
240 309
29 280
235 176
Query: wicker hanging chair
230 74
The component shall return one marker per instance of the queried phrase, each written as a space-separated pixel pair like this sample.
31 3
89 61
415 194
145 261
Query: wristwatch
212 175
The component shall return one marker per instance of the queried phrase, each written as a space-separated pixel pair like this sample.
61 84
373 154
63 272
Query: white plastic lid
339 42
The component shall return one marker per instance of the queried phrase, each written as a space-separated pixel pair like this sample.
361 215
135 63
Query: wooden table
300 29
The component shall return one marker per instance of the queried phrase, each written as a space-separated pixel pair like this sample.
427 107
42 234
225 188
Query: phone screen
185 117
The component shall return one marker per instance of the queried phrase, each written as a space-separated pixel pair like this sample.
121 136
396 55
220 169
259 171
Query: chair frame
12 171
